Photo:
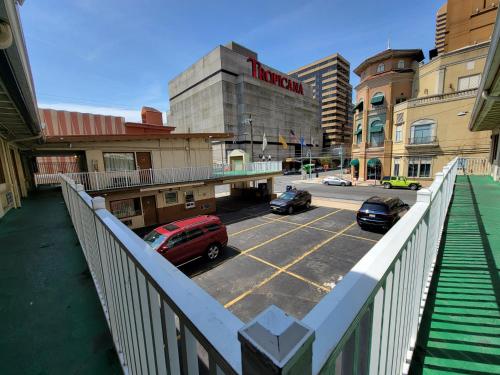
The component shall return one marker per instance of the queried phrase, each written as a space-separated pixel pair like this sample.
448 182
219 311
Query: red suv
185 240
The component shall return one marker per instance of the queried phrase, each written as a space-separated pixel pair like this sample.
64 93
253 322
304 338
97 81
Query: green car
400 182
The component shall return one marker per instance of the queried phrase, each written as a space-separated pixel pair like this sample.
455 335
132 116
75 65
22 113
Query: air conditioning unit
190 205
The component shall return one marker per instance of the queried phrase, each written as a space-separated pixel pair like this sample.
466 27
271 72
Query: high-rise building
329 78
461 23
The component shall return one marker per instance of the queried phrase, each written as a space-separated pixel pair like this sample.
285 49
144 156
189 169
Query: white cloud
133 115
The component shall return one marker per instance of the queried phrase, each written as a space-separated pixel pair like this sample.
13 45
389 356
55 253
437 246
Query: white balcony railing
96 181
162 322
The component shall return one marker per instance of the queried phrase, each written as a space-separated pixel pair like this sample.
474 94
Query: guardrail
96 181
437 98
427 140
474 166
369 322
161 321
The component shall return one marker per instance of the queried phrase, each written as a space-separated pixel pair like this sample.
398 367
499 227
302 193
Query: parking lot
289 261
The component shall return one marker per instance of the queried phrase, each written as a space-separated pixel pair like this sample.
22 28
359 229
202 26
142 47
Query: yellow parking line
254 227
285 268
288 232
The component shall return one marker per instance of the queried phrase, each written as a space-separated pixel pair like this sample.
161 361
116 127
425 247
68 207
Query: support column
276 343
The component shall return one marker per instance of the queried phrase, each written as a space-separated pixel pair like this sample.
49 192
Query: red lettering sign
274 78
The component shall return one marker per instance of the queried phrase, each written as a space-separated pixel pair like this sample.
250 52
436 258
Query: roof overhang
134 137
486 110
18 108
415 54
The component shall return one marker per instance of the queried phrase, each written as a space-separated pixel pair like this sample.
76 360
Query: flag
283 142
293 136
264 142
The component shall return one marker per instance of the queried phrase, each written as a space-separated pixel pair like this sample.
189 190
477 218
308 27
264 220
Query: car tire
213 251
290 210
308 205
413 187
342 184
387 185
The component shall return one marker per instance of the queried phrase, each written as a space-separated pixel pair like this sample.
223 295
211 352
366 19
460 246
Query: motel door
144 165
149 210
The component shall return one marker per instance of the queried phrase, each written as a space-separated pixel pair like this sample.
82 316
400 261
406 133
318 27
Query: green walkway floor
51 321
460 331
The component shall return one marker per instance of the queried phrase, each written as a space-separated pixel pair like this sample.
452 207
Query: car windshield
378 207
155 239
287 196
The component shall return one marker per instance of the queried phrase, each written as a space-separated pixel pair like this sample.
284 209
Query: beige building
386 80
431 128
329 78
461 23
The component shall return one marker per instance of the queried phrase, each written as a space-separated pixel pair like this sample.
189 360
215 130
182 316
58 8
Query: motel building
148 173
230 91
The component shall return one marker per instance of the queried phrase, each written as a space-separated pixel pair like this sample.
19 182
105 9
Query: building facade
461 23
329 78
386 79
229 90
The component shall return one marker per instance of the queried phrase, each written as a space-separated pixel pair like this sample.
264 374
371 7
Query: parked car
381 212
185 240
399 182
290 201
288 172
334 180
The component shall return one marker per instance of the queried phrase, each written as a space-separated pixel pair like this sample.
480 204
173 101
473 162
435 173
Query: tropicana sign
274 78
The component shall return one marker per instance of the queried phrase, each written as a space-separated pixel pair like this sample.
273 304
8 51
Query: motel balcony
92 297
113 180
422 141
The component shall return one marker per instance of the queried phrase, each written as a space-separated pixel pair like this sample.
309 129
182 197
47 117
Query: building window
126 207
401 64
359 134
171 197
422 132
189 196
419 167
399 133
380 68
119 161
397 163
376 134
469 82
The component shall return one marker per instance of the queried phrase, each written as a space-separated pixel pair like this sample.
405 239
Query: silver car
334 180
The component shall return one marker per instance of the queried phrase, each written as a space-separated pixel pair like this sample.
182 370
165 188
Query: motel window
189 196
380 68
2 175
399 133
126 207
119 161
171 197
401 64
469 82
419 167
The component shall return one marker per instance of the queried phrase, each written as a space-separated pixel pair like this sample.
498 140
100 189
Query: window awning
358 106
376 127
373 162
359 130
377 100
354 162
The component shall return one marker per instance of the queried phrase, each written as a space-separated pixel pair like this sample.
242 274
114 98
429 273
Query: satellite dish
5 35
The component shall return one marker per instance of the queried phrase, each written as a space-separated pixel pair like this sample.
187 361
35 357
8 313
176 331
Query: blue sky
113 56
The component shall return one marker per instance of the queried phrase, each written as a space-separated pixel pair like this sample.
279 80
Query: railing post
276 343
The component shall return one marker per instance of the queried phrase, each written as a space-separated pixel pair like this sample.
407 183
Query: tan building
431 129
461 23
386 80
329 78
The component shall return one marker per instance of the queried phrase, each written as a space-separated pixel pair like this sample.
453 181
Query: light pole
249 122
340 151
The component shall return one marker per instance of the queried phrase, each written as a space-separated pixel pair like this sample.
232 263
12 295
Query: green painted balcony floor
460 331
51 318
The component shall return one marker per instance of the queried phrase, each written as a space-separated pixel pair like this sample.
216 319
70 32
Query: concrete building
147 174
329 78
486 112
461 23
229 90
431 128
385 80
19 122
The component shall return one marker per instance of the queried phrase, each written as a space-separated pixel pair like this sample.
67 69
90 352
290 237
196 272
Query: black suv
381 212
290 201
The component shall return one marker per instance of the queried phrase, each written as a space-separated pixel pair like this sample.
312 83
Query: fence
475 166
367 324
147 302
95 181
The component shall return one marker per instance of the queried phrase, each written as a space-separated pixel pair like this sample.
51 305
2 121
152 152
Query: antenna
389 42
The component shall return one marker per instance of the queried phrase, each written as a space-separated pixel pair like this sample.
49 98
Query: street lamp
248 121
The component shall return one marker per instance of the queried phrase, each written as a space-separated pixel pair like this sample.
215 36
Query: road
353 193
